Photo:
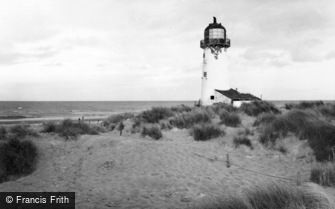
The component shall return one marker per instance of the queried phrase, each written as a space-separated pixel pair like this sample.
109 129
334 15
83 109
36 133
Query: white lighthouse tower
214 70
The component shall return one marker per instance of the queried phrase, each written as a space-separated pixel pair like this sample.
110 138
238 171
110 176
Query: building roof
237 96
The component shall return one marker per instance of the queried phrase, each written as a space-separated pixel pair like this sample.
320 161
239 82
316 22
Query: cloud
9 58
147 44
330 55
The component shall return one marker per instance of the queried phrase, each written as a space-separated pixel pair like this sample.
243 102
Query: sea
55 110
11 111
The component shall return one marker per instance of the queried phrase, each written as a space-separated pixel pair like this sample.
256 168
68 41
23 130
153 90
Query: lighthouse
214 68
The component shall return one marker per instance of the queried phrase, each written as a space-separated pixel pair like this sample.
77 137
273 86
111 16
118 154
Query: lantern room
215 36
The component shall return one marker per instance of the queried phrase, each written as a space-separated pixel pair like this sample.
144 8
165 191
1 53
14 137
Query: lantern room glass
216 33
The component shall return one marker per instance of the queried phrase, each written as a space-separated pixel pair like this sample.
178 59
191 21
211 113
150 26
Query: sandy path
109 171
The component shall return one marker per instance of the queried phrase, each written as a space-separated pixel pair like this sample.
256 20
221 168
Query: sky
105 50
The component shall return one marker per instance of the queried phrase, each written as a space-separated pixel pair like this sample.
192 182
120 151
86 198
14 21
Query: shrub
327 110
3 133
136 126
321 138
281 148
305 125
21 131
245 132
181 108
17 157
323 174
285 197
304 105
165 125
187 120
69 129
274 196
153 131
264 118
294 121
49 127
218 107
242 140
203 132
257 107
230 119
116 119
156 114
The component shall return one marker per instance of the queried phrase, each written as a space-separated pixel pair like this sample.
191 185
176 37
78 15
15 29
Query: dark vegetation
181 108
264 118
17 158
323 174
152 131
21 131
188 119
3 133
206 131
242 140
231 119
217 108
304 105
71 129
112 121
155 114
327 110
272 196
165 125
257 107
17 132
305 125
281 148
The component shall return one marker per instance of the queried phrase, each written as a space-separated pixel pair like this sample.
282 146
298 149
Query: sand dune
112 171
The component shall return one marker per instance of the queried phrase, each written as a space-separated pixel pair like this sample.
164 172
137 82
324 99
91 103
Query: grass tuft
305 125
323 174
21 131
206 131
304 105
274 196
230 119
264 118
112 121
152 131
327 110
188 119
218 107
155 114
17 158
70 129
242 140
257 107
3 133
181 108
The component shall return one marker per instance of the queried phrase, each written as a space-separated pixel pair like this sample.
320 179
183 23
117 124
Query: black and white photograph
167 104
